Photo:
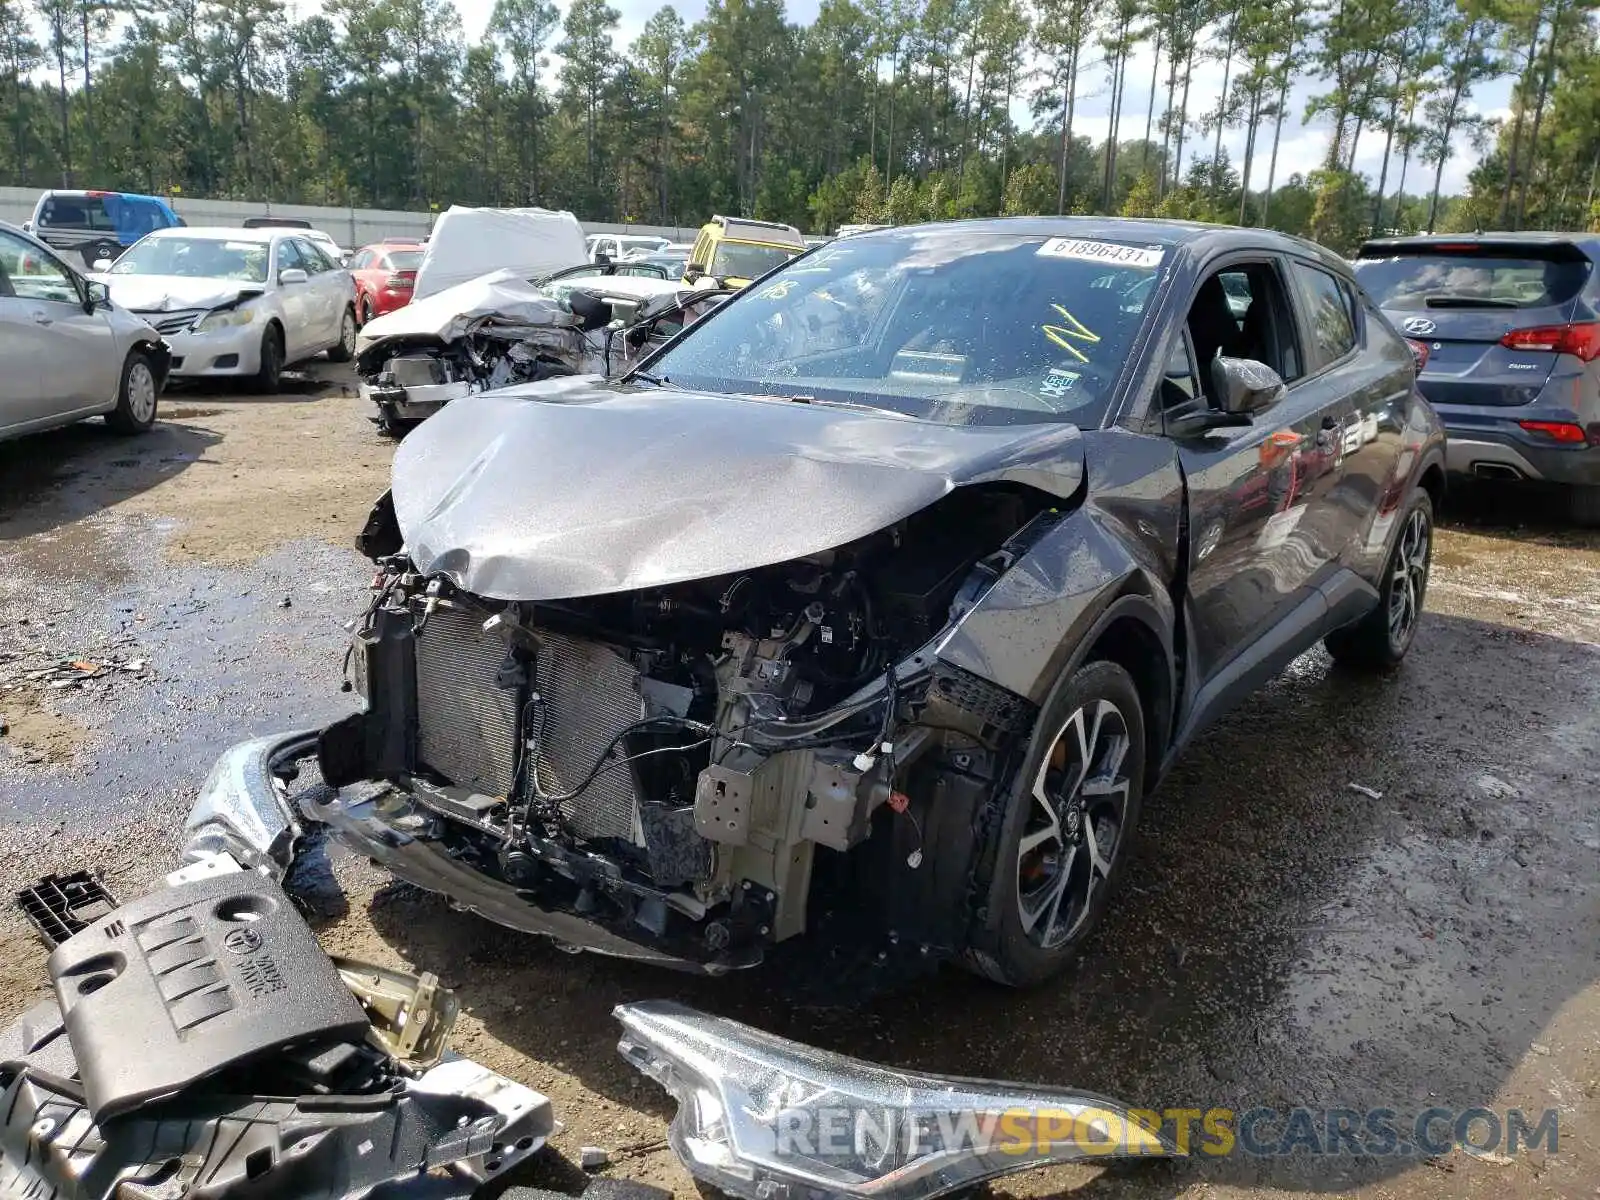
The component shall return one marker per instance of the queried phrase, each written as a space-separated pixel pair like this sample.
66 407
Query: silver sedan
66 352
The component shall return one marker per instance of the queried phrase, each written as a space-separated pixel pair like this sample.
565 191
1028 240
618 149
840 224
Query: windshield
1413 282
968 327
746 260
76 212
405 260
196 258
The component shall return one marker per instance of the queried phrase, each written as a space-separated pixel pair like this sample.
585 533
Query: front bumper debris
214 1051
764 1118
244 816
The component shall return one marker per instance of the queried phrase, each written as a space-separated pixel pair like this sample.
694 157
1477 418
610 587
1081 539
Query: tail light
1419 352
1564 432
397 283
1581 338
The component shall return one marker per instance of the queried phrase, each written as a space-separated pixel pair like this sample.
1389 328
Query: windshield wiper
1468 302
653 380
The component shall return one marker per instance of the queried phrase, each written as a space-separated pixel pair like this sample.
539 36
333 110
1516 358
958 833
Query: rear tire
269 376
1066 830
366 310
137 395
1379 641
345 349
1583 504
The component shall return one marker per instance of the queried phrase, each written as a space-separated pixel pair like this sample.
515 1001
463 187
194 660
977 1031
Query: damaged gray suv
871 607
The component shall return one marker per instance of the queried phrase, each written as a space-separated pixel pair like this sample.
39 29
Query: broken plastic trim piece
411 1015
58 906
243 809
769 1119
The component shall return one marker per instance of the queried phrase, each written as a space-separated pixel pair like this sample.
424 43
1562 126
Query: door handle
40 317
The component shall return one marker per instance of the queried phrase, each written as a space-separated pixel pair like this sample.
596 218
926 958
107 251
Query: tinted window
975 327
1331 310
1413 282
77 212
196 258
363 260
313 258
741 260
405 260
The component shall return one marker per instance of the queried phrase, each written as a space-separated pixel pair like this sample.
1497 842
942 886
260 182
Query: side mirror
27 227
292 275
99 295
1245 386
102 264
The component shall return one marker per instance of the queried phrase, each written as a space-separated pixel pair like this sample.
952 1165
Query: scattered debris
592 1158
59 906
286 602
1494 786
1369 793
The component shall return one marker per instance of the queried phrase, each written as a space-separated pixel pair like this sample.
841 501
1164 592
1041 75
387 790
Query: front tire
1066 830
137 395
345 349
1379 641
270 374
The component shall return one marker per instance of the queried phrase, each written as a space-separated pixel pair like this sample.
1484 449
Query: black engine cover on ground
185 982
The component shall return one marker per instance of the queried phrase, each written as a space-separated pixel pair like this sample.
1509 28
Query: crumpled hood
572 488
168 293
447 315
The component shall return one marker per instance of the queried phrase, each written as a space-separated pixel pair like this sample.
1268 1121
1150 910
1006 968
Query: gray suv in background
1507 326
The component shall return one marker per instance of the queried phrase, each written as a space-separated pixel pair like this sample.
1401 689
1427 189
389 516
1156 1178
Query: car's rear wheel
1583 504
270 373
1066 830
366 309
1379 641
345 348
136 396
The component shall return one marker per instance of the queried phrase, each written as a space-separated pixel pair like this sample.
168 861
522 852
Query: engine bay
680 762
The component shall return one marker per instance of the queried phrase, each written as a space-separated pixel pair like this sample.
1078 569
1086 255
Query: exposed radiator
466 726
590 694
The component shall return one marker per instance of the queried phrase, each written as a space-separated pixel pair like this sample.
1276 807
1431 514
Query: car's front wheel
270 373
1379 641
1066 829
345 348
137 395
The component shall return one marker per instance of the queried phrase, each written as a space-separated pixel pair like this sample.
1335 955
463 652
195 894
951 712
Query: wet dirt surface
1282 939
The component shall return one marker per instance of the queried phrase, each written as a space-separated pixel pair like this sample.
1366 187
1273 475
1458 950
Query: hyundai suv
1507 328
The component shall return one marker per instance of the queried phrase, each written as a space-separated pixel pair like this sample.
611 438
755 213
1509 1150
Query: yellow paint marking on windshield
776 291
1074 328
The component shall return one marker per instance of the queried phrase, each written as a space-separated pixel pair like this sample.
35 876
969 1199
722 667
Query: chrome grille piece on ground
589 694
466 725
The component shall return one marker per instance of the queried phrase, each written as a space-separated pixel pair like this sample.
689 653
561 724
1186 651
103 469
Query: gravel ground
1283 939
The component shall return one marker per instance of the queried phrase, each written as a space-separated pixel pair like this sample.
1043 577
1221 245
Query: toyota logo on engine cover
1420 326
242 941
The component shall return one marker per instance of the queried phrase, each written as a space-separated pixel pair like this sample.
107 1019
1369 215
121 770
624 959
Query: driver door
1258 493
297 300
73 352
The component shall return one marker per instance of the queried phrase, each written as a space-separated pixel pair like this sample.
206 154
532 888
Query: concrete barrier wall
349 227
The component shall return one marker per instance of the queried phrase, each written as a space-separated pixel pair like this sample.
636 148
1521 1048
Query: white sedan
238 302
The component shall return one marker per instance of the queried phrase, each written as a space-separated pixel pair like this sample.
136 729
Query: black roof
1203 238
1487 240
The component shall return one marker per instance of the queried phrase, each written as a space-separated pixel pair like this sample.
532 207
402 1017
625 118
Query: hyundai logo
242 941
1420 326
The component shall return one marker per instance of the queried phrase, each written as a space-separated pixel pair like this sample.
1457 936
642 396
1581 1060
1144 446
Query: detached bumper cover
243 810
764 1118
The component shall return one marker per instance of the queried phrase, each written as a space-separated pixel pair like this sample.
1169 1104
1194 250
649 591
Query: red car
385 274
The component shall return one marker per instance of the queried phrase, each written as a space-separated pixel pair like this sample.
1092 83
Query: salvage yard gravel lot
1282 937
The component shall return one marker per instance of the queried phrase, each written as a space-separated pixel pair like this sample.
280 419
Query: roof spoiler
1555 249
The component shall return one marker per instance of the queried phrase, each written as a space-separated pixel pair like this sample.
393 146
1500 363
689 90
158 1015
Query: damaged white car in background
502 329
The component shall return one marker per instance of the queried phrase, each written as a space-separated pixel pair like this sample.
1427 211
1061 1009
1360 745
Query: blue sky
1302 148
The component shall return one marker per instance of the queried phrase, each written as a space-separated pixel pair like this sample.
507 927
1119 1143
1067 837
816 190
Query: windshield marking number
776 291
1074 328
1147 257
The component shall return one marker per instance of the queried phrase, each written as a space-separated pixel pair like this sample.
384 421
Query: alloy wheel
347 332
1078 811
141 392
1409 578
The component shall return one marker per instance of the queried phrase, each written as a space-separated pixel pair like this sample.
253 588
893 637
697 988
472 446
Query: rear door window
1330 307
1471 279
